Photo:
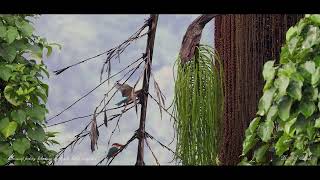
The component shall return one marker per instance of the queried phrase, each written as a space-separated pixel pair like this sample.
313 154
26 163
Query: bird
127 92
113 151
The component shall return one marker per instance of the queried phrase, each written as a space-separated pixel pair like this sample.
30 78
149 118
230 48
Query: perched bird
114 150
127 92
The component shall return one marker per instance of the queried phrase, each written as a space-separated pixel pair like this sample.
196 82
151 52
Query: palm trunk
245 43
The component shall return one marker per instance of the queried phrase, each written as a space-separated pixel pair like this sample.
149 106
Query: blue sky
83 36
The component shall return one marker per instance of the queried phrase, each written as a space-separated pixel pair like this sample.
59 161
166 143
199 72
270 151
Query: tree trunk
245 43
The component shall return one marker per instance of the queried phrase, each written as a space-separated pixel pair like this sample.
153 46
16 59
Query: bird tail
122 101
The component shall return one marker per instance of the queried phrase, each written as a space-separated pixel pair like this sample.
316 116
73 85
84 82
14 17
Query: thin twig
89 93
133 37
154 156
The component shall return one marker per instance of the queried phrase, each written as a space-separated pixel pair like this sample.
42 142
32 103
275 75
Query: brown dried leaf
158 92
94 132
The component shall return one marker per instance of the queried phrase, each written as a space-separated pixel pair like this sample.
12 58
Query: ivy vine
23 139
286 130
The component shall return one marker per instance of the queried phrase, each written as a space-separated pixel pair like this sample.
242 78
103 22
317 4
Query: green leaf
259 154
3 159
315 18
37 113
291 31
4 123
56 44
21 145
312 38
265 101
5 73
9 54
37 134
315 150
284 108
12 34
25 27
310 66
273 111
317 123
7 91
19 116
268 70
292 44
282 145
307 108
254 124
291 160
9 130
265 130
49 50
294 90
3 30
315 77
5 149
282 83
288 125
248 143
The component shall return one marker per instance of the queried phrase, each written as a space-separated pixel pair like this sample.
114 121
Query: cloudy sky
83 36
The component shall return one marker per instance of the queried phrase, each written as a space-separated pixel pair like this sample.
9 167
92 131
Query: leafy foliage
23 95
199 107
286 129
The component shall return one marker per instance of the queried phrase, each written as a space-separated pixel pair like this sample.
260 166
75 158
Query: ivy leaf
273 111
12 34
265 101
3 30
259 154
291 31
291 160
7 94
315 150
315 18
282 83
310 66
317 123
5 149
21 145
4 123
3 159
37 113
49 51
315 77
24 27
284 108
37 134
292 44
254 124
9 54
5 73
265 130
282 145
19 116
312 38
248 143
268 70
294 90
288 125
9 130
307 108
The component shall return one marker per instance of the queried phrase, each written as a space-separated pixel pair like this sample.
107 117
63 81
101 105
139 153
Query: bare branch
192 37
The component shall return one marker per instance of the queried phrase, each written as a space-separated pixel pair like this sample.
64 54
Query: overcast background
83 36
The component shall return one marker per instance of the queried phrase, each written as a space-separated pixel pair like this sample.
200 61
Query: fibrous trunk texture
245 43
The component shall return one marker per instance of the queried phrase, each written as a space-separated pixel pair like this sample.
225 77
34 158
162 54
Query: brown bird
127 92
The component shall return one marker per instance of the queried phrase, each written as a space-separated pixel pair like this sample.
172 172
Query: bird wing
126 90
